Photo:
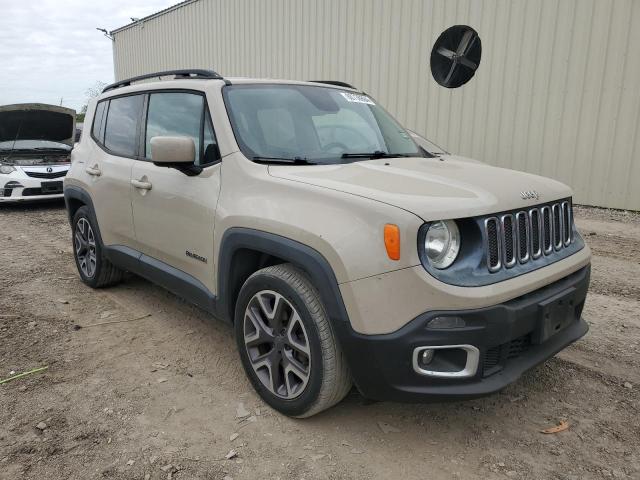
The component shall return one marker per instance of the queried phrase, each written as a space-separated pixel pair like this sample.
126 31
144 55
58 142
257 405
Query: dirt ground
157 395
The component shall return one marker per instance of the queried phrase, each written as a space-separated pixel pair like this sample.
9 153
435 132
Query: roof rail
337 83
202 74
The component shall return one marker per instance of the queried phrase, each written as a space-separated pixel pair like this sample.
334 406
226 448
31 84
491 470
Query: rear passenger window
178 114
98 117
122 119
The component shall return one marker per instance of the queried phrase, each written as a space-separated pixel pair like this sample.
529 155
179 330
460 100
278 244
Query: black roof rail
201 74
337 83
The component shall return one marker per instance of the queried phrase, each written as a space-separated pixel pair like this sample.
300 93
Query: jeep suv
344 249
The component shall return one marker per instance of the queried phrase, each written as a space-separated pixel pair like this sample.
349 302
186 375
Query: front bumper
30 198
511 338
33 183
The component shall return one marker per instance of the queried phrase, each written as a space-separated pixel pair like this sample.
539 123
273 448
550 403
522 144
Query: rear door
174 213
115 130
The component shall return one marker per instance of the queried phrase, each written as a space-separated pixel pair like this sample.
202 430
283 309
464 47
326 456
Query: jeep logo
530 195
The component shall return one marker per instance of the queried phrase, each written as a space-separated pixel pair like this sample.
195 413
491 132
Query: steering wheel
333 146
358 136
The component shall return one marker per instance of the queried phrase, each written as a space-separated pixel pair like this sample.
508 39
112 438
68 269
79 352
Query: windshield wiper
288 161
373 155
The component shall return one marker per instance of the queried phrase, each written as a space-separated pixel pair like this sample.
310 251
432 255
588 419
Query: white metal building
557 91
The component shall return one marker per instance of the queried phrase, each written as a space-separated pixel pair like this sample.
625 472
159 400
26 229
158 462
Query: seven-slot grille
526 235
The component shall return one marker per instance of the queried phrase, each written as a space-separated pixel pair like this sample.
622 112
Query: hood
432 188
37 121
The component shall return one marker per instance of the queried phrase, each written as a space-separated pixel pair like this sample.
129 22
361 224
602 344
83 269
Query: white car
35 147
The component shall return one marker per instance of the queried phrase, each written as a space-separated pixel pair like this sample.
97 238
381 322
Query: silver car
35 147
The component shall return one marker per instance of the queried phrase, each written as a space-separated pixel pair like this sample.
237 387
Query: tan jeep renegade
343 248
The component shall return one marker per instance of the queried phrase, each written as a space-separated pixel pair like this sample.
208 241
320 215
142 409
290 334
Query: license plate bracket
555 314
51 188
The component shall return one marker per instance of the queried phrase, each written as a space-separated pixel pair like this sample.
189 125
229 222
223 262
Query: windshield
314 124
33 145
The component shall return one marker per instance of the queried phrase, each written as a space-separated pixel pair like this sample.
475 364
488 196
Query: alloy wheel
277 344
85 243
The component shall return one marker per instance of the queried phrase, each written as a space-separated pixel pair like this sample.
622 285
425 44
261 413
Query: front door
173 213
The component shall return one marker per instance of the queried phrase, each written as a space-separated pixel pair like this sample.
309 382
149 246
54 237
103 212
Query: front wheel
286 343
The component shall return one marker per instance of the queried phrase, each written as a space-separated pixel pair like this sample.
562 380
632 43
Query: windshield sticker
355 98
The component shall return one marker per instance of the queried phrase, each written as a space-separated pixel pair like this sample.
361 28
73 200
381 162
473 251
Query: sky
50 50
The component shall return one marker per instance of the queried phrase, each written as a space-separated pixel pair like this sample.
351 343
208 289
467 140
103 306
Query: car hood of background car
37 121
432 188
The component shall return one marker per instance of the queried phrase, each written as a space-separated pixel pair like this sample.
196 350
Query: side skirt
164 275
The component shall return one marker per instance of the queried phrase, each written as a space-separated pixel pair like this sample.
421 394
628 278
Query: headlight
6 169
442 243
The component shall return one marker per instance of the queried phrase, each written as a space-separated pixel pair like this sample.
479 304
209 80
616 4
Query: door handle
141 185
95 171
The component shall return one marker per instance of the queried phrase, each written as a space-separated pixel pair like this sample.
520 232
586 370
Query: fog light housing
446 361
446 322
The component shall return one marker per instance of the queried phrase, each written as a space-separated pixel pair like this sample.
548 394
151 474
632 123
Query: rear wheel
286 343
94 269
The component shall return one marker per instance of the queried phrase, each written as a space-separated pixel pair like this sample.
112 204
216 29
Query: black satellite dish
456 56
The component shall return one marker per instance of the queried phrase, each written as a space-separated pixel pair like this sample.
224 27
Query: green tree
91 92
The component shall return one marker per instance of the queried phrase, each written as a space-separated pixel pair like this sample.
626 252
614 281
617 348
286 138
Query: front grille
509 239
527 235
496 357
491 358
46 174
517 347
493 244
536 236
546 230
557 226
566 218
523 236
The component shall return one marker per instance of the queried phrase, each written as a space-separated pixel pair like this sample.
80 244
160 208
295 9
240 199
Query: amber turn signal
392 241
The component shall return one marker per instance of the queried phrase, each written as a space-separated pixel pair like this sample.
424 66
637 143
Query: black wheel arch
76 197
244 251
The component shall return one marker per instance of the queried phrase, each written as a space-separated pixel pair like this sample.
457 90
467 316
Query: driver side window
181 114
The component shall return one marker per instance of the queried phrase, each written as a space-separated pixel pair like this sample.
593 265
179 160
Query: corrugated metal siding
557 92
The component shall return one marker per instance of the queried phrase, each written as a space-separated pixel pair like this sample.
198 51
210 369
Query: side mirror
172 150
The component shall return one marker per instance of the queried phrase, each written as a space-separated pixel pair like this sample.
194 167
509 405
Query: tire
282 291
94 268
